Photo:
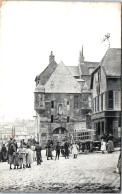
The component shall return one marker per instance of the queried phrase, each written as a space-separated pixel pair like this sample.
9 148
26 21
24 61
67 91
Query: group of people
107 143
57 150
21 156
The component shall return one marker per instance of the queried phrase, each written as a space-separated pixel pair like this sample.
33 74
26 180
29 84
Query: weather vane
106 37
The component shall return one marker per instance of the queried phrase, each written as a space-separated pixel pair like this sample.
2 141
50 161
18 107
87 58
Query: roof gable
112 62
45 75
62 81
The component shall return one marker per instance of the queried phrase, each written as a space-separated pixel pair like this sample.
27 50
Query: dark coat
66 147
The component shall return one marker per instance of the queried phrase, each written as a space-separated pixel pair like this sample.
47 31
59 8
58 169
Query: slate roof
86 65
91 64
45 75
111 62
84 68
74 70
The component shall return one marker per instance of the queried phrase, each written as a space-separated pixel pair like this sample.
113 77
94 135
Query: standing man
57 150
38 153
11 153
4 153
66 148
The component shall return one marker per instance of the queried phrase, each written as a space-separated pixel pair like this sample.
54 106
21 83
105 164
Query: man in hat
38 153
58 147
66 148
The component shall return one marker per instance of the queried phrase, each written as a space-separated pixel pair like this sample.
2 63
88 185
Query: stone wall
67 111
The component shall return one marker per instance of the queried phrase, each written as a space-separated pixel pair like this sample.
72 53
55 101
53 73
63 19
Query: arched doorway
59 133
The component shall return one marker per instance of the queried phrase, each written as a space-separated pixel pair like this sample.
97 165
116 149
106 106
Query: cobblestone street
93 173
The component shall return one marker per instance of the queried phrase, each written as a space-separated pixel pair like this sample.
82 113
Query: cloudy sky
29 31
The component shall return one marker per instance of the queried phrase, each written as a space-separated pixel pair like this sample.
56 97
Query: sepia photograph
60 97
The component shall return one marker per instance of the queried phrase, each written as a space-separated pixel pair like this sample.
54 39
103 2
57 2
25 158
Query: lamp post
36 127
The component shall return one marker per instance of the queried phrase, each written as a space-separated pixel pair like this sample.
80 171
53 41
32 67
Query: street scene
92 173
60 102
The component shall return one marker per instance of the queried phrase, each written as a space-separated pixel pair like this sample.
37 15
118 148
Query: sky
30 30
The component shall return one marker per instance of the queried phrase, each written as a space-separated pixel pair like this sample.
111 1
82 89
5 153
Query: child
103 146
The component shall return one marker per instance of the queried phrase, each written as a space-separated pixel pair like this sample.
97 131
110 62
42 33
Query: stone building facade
63 98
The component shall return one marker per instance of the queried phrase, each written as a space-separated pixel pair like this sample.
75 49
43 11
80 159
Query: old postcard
60 97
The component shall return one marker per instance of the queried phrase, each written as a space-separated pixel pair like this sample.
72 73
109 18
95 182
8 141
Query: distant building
18 129
63 98
106 86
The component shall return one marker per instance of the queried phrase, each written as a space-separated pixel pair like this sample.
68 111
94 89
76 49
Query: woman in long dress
103 146
29 157
22 156
75 150
34 152
110 146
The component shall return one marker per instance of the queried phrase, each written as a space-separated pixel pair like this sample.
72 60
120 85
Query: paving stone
89 173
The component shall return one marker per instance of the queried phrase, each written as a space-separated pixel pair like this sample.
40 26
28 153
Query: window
98 103
67 102
95 104
89 99
101 101
52 104
104 104
117 100
68 105
102 126
51 118
68 119
99 75
110 99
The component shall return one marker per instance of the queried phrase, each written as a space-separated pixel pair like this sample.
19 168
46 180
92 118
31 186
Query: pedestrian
16 159
58 147
110 146
15 144
34 152
29 156
49 150
38 153
103 146
66 148
74 150
22 156
11 152
85 149
4 153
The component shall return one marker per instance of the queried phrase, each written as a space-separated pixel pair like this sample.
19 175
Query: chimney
51 57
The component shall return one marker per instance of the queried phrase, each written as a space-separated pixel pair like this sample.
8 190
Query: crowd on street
25 154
